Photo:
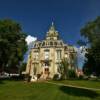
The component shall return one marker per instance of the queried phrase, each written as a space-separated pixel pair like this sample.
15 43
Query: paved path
62 84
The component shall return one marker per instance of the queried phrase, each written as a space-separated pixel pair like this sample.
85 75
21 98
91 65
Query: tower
52 34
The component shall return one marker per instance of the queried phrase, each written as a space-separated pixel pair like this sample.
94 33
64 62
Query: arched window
51 43
43 43
55 43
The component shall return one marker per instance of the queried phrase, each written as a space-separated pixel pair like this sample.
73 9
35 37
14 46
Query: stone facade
46 55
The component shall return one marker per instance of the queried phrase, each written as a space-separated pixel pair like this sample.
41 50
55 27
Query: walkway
61 84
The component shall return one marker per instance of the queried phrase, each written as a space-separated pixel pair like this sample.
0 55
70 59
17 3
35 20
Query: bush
56 77
27 78
38 76
17 78
80 77
72 74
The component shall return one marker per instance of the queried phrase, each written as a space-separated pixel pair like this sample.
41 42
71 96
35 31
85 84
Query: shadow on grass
1 81
79 92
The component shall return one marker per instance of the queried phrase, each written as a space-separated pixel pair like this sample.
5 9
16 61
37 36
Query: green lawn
17 90
81 83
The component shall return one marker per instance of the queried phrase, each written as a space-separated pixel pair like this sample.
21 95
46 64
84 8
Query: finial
52 23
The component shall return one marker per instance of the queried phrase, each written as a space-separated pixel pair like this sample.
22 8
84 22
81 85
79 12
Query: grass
82 83
18 90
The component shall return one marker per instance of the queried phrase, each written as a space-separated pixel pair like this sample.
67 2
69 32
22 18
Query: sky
36 16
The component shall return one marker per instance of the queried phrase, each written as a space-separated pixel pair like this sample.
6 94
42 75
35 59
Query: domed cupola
52 34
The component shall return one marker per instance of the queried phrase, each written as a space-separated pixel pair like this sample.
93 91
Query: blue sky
36 16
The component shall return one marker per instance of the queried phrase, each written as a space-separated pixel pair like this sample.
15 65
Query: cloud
30 42
29 39
81 56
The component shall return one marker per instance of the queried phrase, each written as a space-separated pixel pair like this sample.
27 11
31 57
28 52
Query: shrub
27 78
56 77
17 78
72 74
80 77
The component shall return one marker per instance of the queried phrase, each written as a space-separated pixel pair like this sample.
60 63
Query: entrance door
46 67
46 70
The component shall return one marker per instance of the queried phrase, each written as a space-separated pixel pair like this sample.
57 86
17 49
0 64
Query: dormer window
51 43
43 43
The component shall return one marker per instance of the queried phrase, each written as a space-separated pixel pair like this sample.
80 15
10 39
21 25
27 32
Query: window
47 63
55 43
34 69
46 69
46 54
58 54
51 43
43 44
36 55
51 38
61 43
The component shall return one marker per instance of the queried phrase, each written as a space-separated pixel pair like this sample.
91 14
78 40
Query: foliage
27 77
66 72
91 31
17 78
64 68
56 77
81 43
12 44
89 64
23 66
72 73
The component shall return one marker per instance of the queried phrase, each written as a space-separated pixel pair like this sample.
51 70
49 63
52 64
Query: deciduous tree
12 44
91 31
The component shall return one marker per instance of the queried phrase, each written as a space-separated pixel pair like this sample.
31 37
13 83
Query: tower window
43 44
51 43
55 43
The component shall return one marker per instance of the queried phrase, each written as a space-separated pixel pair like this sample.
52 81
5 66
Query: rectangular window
36 55
46 55
58 54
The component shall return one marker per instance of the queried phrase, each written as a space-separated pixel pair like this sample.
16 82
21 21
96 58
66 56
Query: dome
52 31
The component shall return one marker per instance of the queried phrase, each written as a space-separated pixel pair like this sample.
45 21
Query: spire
52 23
52 28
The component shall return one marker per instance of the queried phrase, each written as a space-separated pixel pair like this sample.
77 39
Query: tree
23 66
12 44
65 71
91 31
64 68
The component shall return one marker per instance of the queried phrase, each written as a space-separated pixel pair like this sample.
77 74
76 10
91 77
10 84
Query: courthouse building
46 56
